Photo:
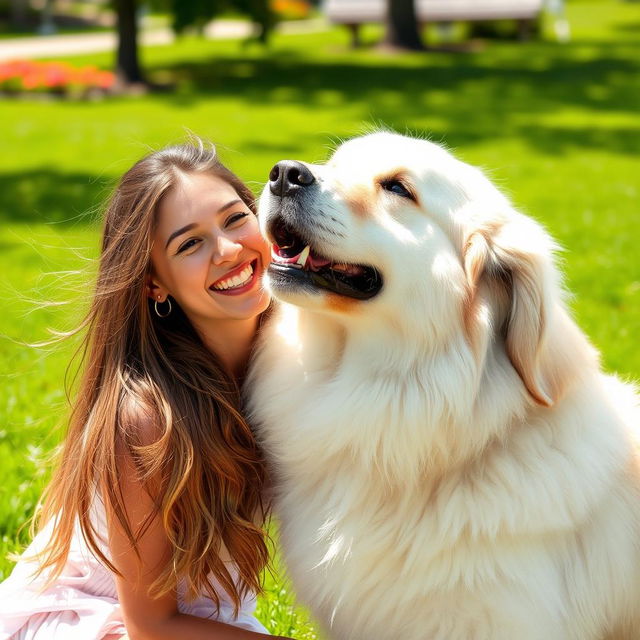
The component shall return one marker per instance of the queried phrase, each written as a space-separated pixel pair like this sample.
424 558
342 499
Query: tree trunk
402 25
127 63
18 14
262 14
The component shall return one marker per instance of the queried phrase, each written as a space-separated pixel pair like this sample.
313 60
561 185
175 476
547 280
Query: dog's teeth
302 258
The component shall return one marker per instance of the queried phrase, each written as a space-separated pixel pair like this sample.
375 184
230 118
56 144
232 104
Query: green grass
555 125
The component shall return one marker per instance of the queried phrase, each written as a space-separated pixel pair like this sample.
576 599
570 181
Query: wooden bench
353 13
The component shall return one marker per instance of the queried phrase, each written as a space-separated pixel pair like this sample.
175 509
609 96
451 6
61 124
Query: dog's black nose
288 176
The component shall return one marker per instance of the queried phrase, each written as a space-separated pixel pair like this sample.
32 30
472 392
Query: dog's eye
396 187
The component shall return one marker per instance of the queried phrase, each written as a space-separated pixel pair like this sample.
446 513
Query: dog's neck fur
377 366
402 426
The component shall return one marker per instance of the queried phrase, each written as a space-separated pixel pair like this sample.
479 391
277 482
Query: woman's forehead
194 198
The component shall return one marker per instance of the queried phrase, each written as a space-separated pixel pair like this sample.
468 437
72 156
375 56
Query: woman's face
208 253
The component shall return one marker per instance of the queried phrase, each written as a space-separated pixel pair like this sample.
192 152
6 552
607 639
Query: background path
79 44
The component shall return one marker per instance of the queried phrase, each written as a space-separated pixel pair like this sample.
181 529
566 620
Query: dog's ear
513 260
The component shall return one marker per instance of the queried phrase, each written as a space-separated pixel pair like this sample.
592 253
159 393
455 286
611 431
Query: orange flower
291 8
29 75
104 79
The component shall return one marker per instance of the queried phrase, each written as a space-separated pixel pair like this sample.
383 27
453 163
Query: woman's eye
235 218
188 245
396 187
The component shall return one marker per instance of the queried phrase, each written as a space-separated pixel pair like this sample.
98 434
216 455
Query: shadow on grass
463 97
628 27
48 196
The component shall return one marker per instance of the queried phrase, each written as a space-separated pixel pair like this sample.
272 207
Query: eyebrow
188 227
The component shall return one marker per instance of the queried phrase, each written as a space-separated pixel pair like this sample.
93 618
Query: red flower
28 75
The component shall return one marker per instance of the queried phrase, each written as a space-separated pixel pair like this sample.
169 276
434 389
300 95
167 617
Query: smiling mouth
237 283
293 259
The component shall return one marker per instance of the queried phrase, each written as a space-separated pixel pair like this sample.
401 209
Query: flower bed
291 9
57 78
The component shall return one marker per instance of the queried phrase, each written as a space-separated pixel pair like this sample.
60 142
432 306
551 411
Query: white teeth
302 258
236 281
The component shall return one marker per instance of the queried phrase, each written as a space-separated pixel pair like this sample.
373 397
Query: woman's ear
155 290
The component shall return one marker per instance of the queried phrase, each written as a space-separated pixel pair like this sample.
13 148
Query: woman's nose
226 249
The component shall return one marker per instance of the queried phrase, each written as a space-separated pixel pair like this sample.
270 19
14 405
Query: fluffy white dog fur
450 462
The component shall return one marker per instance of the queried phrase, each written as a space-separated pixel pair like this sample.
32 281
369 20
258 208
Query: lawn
555 125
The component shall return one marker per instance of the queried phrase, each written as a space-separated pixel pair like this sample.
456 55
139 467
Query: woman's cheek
193 267
255 240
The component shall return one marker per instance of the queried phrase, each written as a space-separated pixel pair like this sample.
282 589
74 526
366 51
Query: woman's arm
145 617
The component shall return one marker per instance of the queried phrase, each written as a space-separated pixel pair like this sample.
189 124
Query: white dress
82 604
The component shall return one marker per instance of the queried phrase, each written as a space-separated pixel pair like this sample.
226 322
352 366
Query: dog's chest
348 521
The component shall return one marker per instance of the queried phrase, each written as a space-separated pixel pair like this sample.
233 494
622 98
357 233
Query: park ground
556 126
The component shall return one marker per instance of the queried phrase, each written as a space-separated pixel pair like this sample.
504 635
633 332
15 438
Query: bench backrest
359 11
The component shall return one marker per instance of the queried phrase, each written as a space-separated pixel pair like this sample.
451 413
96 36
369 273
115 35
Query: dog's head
398 231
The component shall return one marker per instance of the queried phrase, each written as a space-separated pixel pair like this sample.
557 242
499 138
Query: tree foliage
185 14
196 13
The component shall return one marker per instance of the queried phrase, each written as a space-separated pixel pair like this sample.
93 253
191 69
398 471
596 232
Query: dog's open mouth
295 259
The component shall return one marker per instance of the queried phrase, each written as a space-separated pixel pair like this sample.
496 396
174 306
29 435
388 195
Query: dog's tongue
304 259
308 260
316 262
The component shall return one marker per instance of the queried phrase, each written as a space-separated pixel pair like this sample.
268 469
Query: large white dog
450 462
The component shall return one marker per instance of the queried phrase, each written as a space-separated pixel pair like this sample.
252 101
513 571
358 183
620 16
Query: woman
152 523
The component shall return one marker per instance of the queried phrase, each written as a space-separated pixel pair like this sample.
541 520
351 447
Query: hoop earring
162 315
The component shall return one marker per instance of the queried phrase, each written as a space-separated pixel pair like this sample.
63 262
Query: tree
128 67
18 14
402 25
185 13
261 13
196 13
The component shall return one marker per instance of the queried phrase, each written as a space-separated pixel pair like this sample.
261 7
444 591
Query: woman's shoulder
138 420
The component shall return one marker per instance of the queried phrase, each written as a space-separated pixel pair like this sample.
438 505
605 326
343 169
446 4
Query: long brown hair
203 467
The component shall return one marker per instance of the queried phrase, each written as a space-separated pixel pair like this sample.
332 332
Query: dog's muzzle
296 263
